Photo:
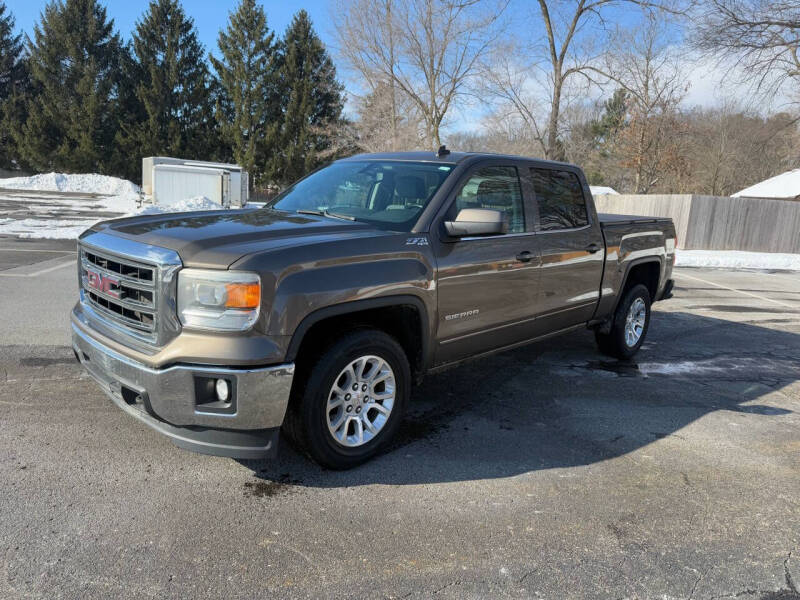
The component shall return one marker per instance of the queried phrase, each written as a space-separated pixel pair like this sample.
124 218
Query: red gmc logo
102 283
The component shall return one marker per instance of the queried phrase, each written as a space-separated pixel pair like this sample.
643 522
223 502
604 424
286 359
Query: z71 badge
417 241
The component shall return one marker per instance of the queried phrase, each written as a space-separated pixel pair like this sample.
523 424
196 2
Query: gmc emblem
103 283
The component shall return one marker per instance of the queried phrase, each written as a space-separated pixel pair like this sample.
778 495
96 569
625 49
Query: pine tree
10 53
12 83
170 80
612 121
312 100
74 68
126 156
247 75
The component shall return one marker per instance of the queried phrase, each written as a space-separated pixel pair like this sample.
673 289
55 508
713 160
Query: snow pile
599 190
59 206
188 205
86 183
786 186
730 259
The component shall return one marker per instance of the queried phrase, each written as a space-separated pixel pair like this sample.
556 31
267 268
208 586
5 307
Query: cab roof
452 158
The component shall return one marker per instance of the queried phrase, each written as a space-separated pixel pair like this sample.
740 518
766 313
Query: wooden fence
718 223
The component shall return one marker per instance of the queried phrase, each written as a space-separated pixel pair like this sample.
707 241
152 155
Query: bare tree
553 66
426 50
643 63
381 106
730 149
763 36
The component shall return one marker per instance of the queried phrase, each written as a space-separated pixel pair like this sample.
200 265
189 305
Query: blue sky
209 17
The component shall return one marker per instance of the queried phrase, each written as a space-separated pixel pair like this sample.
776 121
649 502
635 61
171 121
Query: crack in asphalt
697 582
788 575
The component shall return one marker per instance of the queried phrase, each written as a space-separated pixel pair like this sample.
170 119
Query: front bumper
168 400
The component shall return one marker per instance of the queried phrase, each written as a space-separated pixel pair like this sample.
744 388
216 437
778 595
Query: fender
634 263
354 306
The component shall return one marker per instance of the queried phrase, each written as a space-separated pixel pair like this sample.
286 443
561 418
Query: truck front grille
121 290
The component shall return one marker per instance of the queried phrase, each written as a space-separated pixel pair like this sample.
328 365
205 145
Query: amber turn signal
243 295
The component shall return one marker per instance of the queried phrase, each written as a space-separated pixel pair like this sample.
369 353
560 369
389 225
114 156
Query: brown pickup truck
316 313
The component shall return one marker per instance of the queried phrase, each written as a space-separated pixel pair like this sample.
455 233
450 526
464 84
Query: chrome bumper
167 400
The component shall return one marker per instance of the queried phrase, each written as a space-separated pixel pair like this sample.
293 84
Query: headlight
220 300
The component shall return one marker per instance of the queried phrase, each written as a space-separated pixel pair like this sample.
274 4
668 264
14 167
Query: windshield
388 194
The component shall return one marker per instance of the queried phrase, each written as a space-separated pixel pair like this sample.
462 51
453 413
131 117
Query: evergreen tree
74 69
247 74
312 100
12 82
10 54
615 112
126 156
170 80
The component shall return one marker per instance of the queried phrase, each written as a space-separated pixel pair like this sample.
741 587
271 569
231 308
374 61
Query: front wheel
631 321
353 399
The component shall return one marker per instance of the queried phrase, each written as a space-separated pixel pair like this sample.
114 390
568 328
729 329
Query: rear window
559 195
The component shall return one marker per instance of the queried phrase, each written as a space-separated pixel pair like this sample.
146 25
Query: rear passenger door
571 247
487 286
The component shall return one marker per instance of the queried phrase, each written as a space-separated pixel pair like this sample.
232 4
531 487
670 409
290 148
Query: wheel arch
404 316
644 270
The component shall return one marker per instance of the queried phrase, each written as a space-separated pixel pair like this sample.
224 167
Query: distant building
785 186
599 190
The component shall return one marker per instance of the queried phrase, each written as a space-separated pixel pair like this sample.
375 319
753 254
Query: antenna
442 151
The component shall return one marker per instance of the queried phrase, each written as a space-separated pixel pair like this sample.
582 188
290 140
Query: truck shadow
561 404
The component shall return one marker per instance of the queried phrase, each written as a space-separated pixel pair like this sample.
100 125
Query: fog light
223 390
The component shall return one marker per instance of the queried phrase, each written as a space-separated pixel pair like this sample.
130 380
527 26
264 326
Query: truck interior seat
498 195
408 191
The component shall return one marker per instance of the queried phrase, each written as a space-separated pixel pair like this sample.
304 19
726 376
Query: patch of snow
87 183
599 190
188 205
59 229
732 259
785 186
685 367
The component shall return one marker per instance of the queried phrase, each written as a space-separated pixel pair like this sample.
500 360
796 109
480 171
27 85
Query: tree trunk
640 162
552 151
392 76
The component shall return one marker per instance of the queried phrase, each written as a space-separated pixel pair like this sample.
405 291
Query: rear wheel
631 321
353 399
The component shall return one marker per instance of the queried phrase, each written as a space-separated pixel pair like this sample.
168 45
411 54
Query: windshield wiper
324 213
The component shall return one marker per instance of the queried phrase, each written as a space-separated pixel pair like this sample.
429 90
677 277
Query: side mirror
476 222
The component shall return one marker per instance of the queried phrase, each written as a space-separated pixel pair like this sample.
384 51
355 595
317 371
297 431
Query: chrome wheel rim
634 322
360 401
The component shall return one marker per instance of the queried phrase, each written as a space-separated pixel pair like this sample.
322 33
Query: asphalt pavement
545 472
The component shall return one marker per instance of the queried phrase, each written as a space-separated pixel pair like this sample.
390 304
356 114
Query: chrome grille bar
120 289
131 295
133 283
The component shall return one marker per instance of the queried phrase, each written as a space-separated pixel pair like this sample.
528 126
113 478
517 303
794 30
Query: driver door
488 286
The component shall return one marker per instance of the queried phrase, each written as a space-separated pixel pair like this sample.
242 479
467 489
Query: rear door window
559 195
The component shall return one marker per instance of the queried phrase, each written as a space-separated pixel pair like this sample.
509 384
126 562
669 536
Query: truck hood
217 239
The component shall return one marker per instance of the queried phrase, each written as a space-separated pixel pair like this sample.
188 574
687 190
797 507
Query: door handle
525 256
592 248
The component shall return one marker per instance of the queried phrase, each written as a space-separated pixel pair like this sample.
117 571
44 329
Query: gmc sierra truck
317 313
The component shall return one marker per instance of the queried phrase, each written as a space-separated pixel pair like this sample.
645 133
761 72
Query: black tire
614 343
306 423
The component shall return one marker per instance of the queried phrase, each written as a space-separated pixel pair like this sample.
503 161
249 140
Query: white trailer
168 180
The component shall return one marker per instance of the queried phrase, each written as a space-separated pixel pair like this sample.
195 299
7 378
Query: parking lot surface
545 472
